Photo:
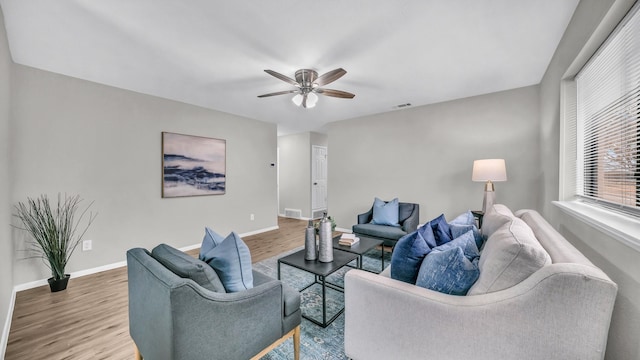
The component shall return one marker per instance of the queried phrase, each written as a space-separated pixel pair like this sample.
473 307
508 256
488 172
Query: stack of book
348 239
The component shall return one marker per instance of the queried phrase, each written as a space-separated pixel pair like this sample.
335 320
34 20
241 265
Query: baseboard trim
344 230
7 325
80 273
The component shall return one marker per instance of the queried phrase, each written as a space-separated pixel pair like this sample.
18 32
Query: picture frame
193 165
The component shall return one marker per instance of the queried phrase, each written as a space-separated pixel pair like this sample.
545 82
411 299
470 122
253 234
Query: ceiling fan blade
330 77
278 93
282 77
335 93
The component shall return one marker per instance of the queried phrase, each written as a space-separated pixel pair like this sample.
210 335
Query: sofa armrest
366 217
220 324
562 311
411 223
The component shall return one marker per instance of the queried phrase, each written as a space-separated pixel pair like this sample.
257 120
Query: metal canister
325 245
310 248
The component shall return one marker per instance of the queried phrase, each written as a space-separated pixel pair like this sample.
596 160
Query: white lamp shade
489 170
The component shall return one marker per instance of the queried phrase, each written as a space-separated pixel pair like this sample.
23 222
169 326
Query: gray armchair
408 218
179 310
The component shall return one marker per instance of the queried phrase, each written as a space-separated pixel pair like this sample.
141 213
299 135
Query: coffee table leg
324 301
278 269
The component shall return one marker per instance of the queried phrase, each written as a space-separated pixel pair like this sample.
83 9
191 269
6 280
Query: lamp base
488 200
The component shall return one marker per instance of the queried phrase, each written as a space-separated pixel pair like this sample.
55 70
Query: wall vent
317 214
293 213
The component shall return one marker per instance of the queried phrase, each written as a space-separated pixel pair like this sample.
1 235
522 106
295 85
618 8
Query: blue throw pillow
231 260
441 230
448 272
465 218
408 254
451 268
385 213
466 242
211 239
459 230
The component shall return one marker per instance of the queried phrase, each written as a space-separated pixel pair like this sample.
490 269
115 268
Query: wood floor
90 319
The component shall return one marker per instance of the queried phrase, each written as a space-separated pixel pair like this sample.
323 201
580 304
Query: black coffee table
321 271
365 244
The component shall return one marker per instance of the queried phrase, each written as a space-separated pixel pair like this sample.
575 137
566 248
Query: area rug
316 342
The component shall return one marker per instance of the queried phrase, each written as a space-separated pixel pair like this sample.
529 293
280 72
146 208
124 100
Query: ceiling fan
308 84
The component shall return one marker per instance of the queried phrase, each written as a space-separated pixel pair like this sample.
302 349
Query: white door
318 180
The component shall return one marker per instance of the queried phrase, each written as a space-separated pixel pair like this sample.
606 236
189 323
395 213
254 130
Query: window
608 120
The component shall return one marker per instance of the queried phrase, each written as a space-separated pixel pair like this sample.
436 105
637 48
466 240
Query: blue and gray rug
316 343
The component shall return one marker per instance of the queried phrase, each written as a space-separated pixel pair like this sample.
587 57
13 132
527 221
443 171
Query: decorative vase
325 244
58 284
310 248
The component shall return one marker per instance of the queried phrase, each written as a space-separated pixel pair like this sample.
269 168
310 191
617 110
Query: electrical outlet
252 217
86 245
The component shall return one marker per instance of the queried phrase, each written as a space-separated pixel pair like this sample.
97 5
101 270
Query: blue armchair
178 310
408 218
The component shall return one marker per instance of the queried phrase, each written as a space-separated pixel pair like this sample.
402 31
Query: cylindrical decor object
325 245
310 248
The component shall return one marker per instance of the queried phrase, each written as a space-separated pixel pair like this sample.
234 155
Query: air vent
317 214
293 213
401 106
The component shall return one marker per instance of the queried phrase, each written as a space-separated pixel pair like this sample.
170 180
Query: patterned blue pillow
211 239
448 269
385 213
231 260
408 254
459 230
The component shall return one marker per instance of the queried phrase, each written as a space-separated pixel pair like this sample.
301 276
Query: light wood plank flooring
90 319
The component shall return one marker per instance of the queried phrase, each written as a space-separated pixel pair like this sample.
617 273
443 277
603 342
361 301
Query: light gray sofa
178 309
561 310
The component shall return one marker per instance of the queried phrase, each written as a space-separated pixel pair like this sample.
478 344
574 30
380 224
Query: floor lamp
489 170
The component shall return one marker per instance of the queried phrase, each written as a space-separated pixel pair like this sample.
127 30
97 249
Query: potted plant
55 232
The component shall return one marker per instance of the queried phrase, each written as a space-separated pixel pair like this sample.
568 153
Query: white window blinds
608 119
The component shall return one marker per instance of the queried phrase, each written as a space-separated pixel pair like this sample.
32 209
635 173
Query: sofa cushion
291 296
381 231
188 267
231 260
451 268
495 217
408 254
385 213
211 239
510 255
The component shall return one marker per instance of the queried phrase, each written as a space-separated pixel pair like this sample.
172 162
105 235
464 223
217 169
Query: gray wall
617 260
295 173
425 155
104 143
6 250
295 170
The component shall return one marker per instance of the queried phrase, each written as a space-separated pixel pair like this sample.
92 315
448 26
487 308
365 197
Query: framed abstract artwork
193 165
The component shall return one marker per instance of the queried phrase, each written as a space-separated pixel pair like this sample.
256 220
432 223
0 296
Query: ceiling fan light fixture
312 99
297 99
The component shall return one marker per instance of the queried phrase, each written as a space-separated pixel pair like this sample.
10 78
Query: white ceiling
212 53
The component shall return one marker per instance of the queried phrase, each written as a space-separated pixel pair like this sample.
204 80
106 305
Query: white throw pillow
496 216
510 255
